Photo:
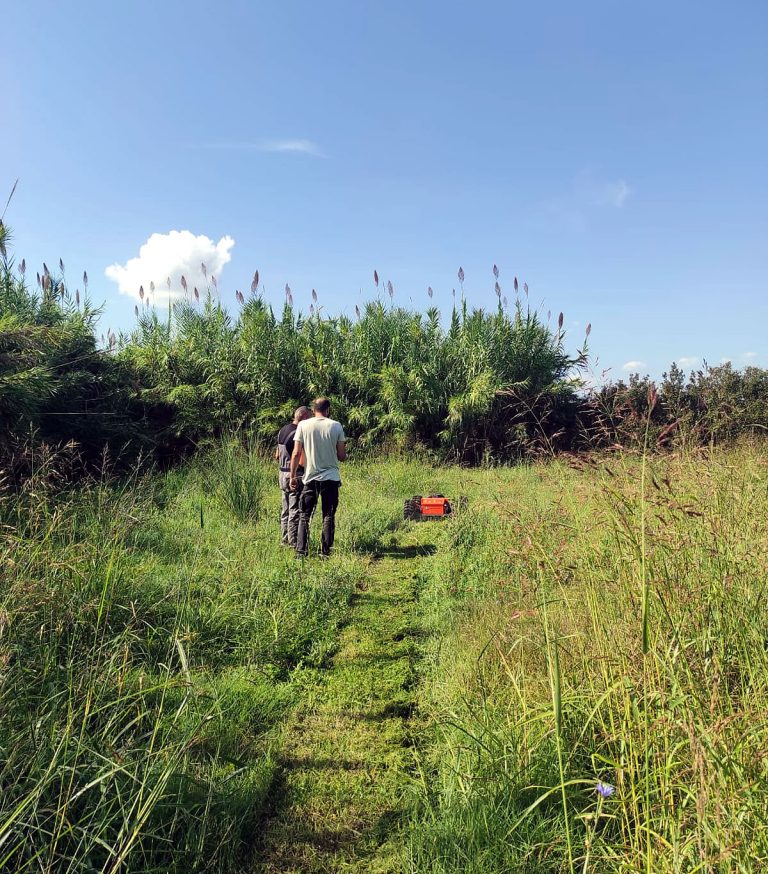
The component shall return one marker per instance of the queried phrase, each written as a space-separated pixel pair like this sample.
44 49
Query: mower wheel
412 508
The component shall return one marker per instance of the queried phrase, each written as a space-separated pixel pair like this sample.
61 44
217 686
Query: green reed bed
149 636
563 737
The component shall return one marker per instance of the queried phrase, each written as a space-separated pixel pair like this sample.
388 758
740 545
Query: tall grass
596 621
608 628
146 666
238 478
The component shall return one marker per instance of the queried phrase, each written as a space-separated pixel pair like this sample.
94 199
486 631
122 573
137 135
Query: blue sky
611 155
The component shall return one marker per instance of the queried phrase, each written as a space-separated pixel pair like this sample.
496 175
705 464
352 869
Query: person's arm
341 443
298 450
277 453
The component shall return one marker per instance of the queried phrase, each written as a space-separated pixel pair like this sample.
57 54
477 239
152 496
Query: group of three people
309 450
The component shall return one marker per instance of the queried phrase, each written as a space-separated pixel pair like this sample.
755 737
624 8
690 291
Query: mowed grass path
348 749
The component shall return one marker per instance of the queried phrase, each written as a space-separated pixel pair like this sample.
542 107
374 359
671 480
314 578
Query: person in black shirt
289 513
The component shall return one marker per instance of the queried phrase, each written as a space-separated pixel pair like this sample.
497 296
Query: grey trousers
289 511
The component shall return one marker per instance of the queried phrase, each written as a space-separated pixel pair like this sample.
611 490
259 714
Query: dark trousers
289 511
328 493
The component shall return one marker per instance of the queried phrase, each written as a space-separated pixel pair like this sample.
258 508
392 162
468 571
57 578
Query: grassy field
601 622
178 695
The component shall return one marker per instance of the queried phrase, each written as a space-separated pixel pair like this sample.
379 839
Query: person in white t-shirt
324 444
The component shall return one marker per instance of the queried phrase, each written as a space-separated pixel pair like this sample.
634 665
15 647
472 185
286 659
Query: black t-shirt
285 447
285 436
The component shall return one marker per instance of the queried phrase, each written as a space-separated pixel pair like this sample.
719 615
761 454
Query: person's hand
294 481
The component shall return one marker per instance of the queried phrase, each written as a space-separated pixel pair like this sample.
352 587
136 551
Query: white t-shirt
319 437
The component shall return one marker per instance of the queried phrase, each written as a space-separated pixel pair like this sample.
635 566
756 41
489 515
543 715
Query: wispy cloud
587 195
294 146
303 147
614 193
689 361
634 365
743 358
597 190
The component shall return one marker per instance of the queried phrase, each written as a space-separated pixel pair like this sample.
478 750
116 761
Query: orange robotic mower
422 509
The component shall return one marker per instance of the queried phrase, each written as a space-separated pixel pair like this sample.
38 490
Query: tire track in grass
347 754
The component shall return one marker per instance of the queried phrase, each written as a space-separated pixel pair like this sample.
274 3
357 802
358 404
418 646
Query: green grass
149 639
347 753
543 684
179 694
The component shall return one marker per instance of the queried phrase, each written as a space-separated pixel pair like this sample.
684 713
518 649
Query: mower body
421 509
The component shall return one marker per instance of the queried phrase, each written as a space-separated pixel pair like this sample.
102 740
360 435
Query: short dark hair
322 405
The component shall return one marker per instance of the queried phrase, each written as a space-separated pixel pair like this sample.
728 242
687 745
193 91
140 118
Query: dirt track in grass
348 750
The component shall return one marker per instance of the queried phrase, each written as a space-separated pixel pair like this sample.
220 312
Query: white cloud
587 195
748 356
304 147
690 361
634 365
296 146
614 193
725 360
171 256
600 191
